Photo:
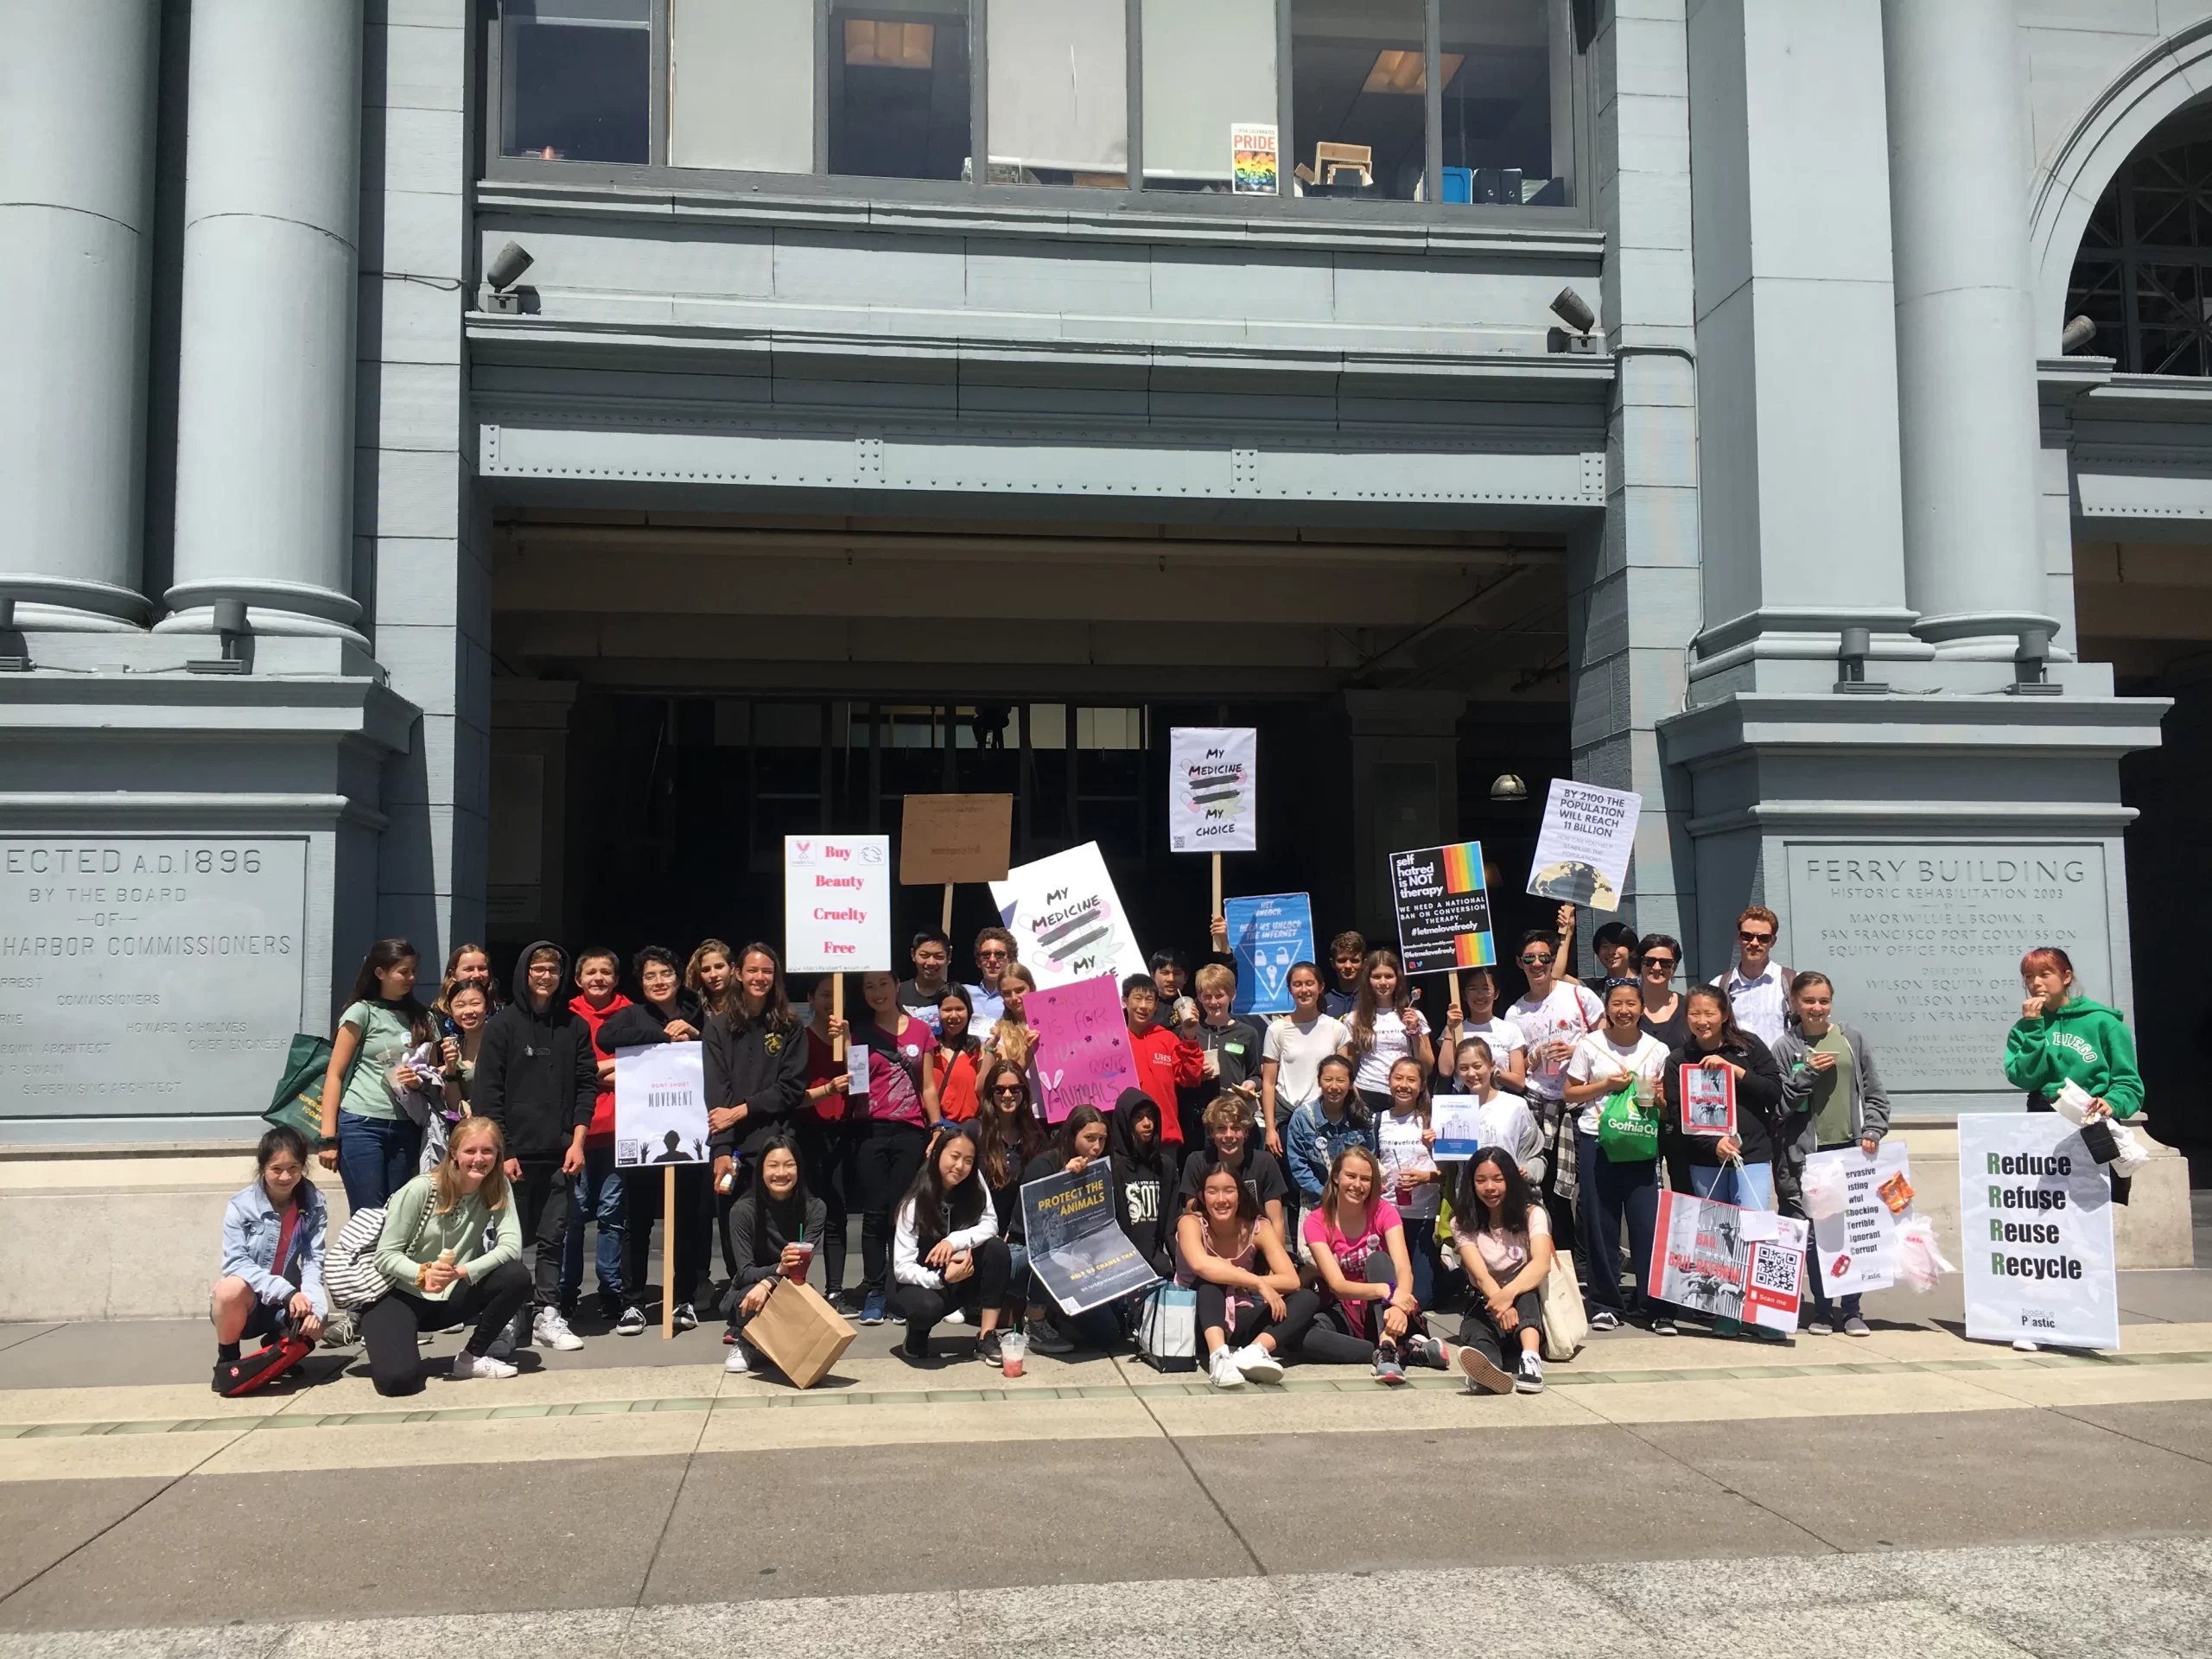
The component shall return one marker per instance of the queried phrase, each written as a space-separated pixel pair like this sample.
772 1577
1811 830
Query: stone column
76 207
1967 427
265 379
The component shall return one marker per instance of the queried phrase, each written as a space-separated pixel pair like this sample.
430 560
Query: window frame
1284 210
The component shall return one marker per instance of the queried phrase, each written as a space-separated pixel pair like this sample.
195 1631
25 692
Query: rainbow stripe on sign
1443 904
1476 950
1463 873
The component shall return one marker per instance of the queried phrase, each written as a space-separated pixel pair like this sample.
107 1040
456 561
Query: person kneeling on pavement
773 1228
433 1253
945 1250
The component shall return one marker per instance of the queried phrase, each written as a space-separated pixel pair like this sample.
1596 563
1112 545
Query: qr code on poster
1774 1269
629 1152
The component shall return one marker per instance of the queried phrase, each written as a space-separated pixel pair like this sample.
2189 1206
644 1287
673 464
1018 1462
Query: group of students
1281 1168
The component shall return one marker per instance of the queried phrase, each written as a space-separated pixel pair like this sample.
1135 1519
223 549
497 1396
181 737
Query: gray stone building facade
353 586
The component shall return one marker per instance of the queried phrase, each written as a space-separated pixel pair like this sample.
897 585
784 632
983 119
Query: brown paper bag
800 1332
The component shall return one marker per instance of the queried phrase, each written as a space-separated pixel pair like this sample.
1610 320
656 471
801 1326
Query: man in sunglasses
1758 986
994 954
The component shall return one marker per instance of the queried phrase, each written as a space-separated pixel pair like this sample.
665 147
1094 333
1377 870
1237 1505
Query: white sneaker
549 1330
687 1317
737 1364
1530 1379
958 1316
1256 1364
467 1365
1221 1369
2023 1346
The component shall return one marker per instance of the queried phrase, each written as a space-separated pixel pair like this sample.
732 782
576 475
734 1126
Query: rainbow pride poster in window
1443 908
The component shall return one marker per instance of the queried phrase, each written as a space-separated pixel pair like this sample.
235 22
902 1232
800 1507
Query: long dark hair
1076 1121
931 1203
387 954
1005 1137
1732 1034
1248 1201
764 1200
1364 1008
776 1013
282 1137
1471 1211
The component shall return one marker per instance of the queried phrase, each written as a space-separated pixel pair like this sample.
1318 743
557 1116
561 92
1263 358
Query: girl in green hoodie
2062 1038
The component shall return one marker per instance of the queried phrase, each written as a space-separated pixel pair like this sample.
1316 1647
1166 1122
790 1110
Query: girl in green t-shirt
367 1135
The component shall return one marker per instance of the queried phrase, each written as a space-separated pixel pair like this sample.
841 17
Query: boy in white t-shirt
1615 1190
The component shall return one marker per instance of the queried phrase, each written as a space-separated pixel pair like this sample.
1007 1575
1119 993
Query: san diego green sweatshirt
2081 1041
414 1234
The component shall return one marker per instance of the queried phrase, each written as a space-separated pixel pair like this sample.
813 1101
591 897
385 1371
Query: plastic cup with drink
1013 1349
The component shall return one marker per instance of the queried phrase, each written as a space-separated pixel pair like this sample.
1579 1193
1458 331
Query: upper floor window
2144 274
1463 103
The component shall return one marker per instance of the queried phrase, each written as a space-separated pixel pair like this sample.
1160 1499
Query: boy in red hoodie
599 1189
1164 1060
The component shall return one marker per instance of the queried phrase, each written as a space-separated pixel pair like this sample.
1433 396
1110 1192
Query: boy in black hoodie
537 1079
1144 1177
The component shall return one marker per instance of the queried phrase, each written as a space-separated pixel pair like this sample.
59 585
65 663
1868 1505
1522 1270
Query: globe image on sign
1578 883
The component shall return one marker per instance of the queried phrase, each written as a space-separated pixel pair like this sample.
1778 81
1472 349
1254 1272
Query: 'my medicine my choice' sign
837 904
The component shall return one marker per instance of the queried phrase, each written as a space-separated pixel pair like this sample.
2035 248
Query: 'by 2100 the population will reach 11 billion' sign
148 974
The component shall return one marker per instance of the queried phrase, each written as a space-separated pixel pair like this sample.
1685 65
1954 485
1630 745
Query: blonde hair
1213 977
446 1180
1228 1112
1007 1040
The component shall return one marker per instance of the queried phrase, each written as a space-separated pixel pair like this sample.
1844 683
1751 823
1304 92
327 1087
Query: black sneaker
1046 1338
986 1348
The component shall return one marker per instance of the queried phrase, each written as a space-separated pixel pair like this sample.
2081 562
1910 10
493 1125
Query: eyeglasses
1535 961
1756 938
990 956
1650 962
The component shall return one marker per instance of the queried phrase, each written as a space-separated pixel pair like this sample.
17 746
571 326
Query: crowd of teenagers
1281 1167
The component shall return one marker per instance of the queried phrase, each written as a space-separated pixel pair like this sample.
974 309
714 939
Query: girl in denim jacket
261 1283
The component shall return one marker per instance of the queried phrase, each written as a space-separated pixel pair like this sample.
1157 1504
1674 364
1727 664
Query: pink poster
1083 1045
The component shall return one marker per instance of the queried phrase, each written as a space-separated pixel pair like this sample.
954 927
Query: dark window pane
1498 110
577 80
1358 93
898 92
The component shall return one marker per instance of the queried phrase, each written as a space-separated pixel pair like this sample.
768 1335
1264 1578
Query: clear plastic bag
2072 1103
1824 1193
1920 1259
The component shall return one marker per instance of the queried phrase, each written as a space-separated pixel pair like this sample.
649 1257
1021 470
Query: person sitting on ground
1334 1119
1505 1119
774 1226
1505 1241
1081 1143
1834 1097
272 1250
1251 1310
945 1251
1358 1241
434 1254
1227 1122
1144 1177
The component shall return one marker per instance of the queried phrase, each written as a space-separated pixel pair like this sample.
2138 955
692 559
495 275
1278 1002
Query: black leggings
1480 1332
390 1324
924 1305
886 1160
693 1222
826 1151
1253 1319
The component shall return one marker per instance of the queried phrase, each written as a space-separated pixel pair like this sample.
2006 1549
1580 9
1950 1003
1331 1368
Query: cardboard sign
1267 934
1076 1246
1066 918
1457 1122
1728 1263
1583 847
2035 1217
660 1105
1083 1055
1707 1098
1857 1251
802 1335
837 904
954 838
1213 789
1443 908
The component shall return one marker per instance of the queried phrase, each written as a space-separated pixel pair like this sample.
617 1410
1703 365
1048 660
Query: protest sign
1213 795
1267 934
1083 1045
1728 1263
1066 917
1076 1246
1856 1248
856 1070
1707 1097
2035 1215
949 838
660 1105
1456 1122
1582 847
1443 908
837 904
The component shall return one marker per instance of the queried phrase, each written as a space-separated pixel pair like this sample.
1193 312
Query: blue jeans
376 1157
598 1198
1751 1188
1611 1193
